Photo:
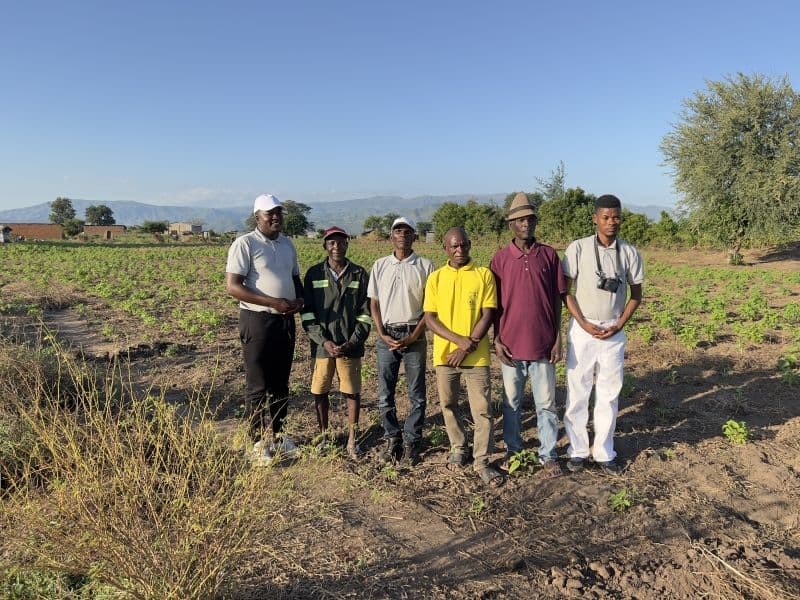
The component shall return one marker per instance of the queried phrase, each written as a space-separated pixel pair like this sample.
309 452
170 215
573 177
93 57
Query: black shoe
575 465
410 454
610 467
390 452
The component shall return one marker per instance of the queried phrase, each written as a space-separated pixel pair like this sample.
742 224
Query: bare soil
708 519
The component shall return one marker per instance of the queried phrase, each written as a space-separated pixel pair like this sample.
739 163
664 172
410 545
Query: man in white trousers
600 268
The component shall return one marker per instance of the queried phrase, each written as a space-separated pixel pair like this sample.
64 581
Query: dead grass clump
152 503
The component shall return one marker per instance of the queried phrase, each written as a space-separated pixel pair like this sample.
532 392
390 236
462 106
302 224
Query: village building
105 232
179 229
35 231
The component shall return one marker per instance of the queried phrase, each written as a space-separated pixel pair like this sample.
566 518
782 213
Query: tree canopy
155 226
61 210
735 157
72 226
99 215
295 218
381 224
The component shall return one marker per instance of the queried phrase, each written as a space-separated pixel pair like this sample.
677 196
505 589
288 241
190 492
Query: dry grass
121 488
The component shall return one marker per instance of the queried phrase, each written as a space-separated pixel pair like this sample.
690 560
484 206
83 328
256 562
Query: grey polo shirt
266 265
399 287
579 263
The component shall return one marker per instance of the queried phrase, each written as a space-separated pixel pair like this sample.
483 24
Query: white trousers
599 362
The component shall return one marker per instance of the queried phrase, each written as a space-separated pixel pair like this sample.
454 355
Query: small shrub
477 506
438 436
628 385
788 368
623 499
736 432
524 460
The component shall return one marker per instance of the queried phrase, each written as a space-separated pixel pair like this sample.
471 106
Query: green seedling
522 460
438 436
736 432
623 500
787 366
628 385
390 473
477 506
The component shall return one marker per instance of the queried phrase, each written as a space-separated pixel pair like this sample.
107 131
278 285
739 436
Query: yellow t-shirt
457 297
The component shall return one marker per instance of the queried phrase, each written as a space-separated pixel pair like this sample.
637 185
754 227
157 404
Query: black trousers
268 348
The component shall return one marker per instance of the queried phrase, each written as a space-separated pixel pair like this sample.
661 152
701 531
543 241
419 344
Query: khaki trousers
478 381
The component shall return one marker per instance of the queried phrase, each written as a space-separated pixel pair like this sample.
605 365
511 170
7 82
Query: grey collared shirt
579 263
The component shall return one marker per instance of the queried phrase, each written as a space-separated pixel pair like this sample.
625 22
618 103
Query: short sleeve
569 265
238 257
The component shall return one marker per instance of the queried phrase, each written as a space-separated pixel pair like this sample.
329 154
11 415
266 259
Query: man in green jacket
337 320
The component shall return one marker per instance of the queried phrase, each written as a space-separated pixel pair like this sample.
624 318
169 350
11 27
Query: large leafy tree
735 157
61 210
296 221
99 215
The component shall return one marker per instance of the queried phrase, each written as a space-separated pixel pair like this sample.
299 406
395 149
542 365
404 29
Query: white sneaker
286 447
261 455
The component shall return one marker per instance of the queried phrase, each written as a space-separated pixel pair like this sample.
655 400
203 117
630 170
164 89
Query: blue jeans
542 374
413 358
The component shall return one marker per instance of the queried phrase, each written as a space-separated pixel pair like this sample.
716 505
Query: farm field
708 504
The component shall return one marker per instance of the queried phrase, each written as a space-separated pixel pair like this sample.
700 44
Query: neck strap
597 258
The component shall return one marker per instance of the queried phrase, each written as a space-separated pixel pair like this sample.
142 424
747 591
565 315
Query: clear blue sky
211 102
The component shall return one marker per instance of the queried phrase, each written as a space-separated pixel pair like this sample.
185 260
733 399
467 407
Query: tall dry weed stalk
121 487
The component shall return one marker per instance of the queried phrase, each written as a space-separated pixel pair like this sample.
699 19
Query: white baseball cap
405 221
266 202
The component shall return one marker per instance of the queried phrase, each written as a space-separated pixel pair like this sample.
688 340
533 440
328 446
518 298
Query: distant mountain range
349 214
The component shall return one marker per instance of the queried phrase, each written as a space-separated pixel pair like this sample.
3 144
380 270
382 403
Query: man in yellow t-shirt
459 305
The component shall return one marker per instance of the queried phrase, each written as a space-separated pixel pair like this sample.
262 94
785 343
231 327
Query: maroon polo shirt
529 287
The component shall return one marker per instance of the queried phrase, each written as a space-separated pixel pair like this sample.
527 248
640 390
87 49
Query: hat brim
522 211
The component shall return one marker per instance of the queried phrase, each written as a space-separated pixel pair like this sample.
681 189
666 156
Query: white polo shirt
399 287
266 265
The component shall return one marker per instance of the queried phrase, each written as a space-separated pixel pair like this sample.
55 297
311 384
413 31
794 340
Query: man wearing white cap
396 291
262 272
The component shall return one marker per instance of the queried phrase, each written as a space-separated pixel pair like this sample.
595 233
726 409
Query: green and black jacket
336 310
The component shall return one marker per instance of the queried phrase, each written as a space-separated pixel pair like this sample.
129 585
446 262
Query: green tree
380 224
155 226
72 226
554 186
735 157
99 215
446 216
484 219
566 218
423 227
664 232
373 222
295 218
60 210
635 228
